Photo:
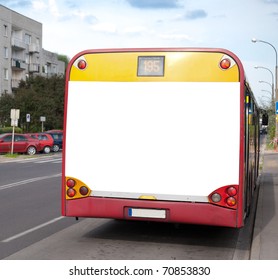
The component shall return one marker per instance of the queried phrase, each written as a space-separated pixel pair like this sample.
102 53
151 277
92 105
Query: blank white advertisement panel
166 139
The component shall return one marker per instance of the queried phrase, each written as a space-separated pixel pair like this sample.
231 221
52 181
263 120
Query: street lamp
254 40
272 86
266 83
268 92
264 96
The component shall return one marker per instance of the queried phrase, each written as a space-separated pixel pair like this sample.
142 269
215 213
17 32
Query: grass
9 155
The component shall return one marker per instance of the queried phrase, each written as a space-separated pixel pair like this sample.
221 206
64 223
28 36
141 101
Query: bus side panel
177 212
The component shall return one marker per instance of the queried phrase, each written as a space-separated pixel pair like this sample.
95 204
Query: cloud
154 4
105 27
50 6
39 5
71 4
53 8
178 37
270 1
88 18
134 30
195 14
16 3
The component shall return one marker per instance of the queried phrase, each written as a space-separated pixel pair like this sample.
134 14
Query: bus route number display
150 66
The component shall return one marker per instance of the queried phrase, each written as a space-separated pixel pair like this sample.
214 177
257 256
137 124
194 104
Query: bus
166 134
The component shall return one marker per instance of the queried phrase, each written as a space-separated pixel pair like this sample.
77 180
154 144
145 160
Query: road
32 228
29 202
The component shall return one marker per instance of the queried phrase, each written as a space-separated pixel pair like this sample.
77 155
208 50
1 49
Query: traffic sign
276 108
15 114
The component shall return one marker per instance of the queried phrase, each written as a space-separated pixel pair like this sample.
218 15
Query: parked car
22 144
57 136
45 140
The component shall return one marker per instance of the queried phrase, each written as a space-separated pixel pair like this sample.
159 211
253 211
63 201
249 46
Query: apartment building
21 52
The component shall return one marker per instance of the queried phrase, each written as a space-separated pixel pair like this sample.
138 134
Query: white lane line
32 229
50 160
31 180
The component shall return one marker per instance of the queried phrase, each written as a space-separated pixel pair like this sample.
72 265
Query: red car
22 144
46 142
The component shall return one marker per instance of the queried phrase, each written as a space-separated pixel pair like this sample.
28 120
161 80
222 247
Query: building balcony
18 44
33 48
34 67
15 83
18 64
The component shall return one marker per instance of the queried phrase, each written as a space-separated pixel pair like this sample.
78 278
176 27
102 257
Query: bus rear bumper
149 210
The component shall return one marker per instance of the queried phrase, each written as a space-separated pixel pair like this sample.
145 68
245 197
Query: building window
5 30
27 58
6 52
27 39
6 74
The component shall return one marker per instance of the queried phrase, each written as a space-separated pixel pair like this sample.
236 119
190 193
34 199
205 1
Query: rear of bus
154 134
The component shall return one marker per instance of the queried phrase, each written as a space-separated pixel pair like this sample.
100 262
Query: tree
37 96
65 58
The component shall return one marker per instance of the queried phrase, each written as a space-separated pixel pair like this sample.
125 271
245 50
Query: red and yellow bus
166 135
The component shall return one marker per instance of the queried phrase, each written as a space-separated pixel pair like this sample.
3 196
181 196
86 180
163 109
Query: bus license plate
147 213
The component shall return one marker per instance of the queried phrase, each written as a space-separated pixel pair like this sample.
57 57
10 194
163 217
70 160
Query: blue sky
70 26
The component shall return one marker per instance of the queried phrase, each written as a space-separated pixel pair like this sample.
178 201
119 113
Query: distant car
57 136
22 144
46 142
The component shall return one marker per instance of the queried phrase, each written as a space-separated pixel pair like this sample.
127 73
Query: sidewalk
265 236
4 158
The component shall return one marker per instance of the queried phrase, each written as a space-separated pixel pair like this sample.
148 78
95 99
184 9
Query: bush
9 129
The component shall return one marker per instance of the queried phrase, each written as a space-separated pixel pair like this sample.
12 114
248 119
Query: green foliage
9 129
37 96
64 58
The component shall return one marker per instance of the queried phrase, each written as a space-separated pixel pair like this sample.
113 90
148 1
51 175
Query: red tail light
70 183
225 63
82 64
225 196
76 188
231 201
71 192
232 191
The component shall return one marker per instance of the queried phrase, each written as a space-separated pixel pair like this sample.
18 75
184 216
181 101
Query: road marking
31 180
32 229
59 160
30 159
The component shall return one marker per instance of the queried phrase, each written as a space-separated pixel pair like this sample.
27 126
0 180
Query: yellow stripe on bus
179 67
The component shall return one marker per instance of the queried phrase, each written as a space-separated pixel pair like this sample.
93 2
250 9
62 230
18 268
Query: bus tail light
216 197
226 62
225 196
76 188
84 190
70 183
232 191
71 192
81 63
231 201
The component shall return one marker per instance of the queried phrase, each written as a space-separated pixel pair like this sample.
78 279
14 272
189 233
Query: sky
71 26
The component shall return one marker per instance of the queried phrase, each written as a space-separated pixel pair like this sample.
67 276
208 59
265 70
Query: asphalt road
32 226
29 202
